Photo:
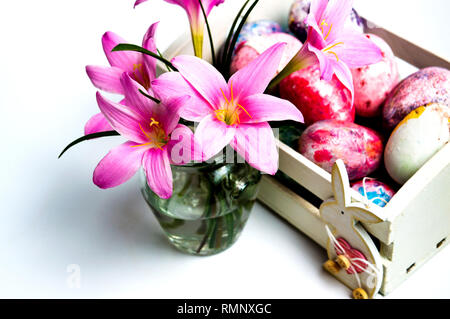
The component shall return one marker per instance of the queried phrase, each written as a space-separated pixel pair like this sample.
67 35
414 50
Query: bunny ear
364 215
340 183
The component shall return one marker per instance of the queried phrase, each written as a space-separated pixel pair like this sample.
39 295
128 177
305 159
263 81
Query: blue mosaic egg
375 191
257 28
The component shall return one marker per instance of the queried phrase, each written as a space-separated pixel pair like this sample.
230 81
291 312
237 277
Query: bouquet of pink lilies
232 111
157 115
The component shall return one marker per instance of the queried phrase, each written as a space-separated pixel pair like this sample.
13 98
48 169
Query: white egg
415 140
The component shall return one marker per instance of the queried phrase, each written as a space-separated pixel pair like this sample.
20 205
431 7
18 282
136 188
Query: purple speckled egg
374 82
255 29
300 10
374 191
254 47
429 85
327 141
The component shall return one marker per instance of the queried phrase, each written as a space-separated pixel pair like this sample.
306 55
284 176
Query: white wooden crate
414 225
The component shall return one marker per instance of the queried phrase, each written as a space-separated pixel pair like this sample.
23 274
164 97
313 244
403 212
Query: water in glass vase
209 207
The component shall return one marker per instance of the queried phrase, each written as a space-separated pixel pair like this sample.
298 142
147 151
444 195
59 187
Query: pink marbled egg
318 99
256 45
327 141
374 82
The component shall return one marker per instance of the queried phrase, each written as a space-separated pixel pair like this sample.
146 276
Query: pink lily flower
234 113
140 67
335 44
155 140
196 18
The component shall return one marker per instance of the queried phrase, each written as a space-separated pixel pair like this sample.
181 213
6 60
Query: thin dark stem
211 42
230 34
150 97
136 48
160 54
236 34
88 137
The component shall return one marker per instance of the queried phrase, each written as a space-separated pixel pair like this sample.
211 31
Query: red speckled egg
318 99
374 82
255 46
429 85
327 141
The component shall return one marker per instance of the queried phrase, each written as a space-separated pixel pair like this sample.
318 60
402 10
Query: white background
51 215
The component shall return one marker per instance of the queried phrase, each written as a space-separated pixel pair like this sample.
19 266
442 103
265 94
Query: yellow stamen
324 23
154 122
157 138
244 110
231 91
224 96
332 46
229 113
145 133
337 58
149 143
329 31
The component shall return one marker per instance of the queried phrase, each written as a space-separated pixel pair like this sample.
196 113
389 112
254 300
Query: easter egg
374 191
318 99
429 85
300 10
254 47
415 140
256 28
374 82
327 141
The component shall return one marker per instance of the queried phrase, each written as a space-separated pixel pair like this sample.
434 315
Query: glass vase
209 207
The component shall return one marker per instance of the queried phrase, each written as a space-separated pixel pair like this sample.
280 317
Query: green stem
160 54
230 227
230 34
301 60
212 239
88 137
197 42
149 97
211 42
136 48
236 35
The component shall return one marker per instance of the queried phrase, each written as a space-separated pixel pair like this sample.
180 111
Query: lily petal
326 69
317 8
213 135
138 2
183 147
124 60
203 76
150 44
105 78
118 166
357 50
336 15
96 124
344 75
135 100
169 113
264 107
159 174
256 76
172 85
256 144
123 119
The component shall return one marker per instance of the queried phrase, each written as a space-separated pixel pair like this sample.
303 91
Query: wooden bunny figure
353 257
